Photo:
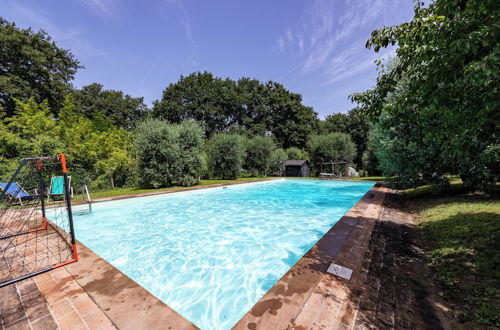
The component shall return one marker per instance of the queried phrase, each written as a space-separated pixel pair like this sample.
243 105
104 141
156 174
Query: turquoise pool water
211 254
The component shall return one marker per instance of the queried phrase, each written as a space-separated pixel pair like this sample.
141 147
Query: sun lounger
16 193
56 189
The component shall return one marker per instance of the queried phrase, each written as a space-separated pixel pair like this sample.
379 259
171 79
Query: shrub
169 153
333 147
191 160
225 155
277 165
259 153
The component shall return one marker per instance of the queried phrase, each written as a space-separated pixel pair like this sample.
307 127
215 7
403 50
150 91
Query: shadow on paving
397 291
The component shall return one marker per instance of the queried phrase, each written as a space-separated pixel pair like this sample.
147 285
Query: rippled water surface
211 254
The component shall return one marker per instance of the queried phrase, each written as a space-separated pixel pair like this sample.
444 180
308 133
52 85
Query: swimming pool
211 254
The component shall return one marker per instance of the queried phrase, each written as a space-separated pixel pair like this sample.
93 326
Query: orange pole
62 158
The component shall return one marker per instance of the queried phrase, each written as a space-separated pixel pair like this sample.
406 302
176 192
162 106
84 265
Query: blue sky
315 48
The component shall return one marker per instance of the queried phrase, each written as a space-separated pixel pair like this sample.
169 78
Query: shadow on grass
464 252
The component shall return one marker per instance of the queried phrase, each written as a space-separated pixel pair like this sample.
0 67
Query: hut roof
295 162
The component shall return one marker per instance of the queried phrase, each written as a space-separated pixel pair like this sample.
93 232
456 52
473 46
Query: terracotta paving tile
85 305
75 294
37 311
71 321
44 323
45 277
21 324
316 300
13 314
97 320
32 299
27 286
61 309
306 317
347 314
9 297
46 286
53 297
329 313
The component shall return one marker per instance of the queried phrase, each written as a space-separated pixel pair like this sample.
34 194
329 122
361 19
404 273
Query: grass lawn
370 178
131 191
462 236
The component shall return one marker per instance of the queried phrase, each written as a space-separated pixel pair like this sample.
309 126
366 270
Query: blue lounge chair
17 193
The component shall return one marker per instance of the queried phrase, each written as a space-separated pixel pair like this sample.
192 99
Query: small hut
297 168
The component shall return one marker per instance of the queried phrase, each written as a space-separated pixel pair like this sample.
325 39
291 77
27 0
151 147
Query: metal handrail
86 191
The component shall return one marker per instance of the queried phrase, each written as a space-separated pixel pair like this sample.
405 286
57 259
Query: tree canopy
353 123
437 102
32 65
333 147
169 153
121 109
245 106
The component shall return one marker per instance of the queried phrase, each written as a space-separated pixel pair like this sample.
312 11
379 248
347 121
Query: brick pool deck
92 294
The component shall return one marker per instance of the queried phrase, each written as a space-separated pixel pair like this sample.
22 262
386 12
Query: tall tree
201 97
439 99
32 65
354 123
292 122
169 153
226 153
123 110
249 106
333 147
259 155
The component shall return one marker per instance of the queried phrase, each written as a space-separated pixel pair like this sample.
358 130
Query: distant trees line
433 112
202 127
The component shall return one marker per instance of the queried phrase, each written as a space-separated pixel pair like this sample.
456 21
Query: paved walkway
388 291
49 301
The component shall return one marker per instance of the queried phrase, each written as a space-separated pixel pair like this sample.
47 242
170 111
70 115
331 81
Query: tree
297 154
201 97
277 163
31 120
226 153
191 161
438 101
333 147
32 65
168 153
354 123
337 122
247 106
259 152
292 123
370 160
98 104
104 156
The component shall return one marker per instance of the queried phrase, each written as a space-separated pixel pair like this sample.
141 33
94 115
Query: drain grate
339 271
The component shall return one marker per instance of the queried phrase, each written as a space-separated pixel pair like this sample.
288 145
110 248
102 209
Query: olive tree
333 147
226 153
169 153
259 153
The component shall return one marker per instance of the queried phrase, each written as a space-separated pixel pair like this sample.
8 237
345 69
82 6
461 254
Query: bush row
170 154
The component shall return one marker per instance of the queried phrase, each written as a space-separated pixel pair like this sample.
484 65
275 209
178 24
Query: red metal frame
64 169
